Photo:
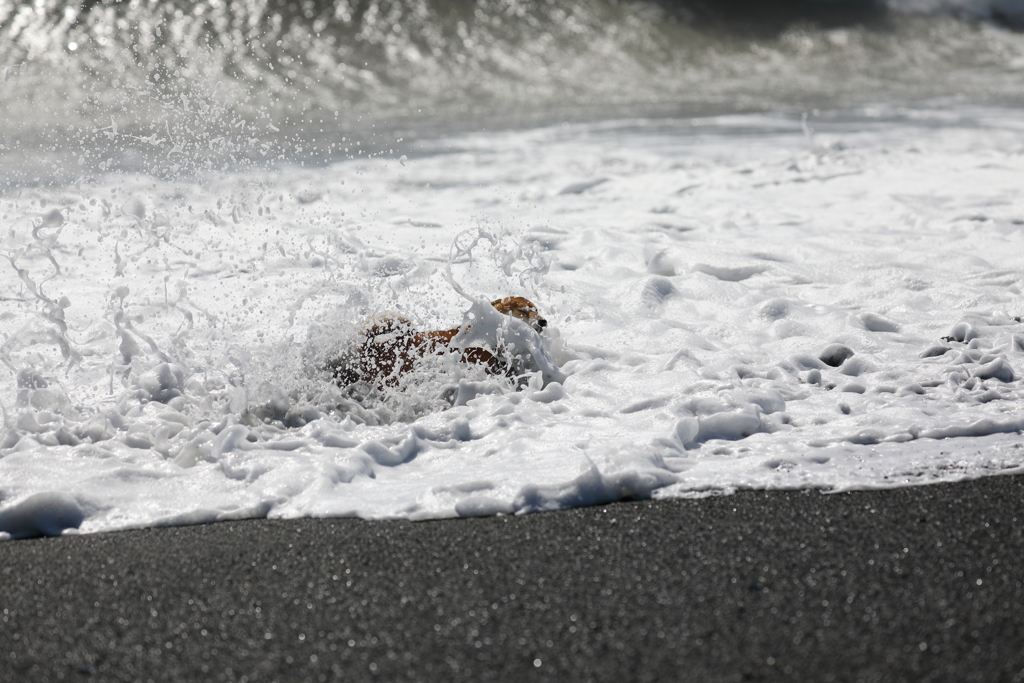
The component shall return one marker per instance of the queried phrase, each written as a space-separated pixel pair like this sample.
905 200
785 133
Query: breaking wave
175 88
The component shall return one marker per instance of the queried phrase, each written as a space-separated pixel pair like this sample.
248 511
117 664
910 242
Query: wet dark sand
907 585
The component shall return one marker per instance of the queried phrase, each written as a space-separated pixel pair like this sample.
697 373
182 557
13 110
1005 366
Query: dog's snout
542 323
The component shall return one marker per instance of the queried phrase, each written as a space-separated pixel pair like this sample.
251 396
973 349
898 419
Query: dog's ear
503 305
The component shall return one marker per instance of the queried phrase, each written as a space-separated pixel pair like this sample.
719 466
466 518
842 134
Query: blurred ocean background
97 86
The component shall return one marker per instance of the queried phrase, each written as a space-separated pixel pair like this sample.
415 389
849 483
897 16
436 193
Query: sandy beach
914 584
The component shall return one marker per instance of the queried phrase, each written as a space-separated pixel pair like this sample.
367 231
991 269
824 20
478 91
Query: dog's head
518 307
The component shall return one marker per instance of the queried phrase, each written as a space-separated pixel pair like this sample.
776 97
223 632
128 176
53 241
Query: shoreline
919 583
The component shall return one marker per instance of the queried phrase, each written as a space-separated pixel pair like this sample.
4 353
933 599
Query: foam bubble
41 514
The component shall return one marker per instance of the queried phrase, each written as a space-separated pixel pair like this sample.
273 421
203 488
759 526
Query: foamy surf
745 301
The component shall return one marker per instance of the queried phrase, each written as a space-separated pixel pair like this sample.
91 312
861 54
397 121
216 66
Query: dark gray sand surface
913 584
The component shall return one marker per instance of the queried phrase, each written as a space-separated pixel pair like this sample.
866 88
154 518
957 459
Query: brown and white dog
389 347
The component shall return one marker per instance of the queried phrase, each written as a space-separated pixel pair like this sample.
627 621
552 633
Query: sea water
760 268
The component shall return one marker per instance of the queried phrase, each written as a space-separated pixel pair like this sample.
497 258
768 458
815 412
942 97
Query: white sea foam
739 302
